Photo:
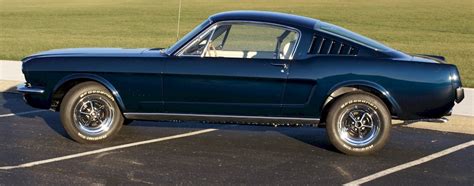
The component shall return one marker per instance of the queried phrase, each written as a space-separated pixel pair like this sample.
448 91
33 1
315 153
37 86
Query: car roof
264 16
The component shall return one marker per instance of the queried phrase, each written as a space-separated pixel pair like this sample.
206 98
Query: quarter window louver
328 46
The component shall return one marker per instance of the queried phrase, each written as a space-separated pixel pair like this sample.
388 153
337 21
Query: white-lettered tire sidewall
67 112
358 98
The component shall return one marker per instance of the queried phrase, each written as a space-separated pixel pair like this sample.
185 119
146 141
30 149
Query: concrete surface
11 71
466 107
231 155
9 86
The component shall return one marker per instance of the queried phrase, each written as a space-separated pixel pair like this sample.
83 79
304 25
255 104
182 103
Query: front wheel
358 124
90 114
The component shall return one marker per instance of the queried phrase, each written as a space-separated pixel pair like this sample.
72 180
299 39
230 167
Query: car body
208 76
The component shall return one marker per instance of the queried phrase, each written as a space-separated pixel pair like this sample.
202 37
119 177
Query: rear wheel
358 124
90 114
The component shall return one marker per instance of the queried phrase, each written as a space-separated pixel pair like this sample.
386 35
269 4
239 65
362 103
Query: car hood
92 52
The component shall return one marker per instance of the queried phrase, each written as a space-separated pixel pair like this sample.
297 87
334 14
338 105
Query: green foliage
436 27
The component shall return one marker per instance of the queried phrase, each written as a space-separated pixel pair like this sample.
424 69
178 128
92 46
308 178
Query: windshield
187 37
347 34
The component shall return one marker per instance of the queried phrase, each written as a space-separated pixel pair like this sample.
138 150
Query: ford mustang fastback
247 67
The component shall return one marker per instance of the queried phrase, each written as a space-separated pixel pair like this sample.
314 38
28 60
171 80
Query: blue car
247 67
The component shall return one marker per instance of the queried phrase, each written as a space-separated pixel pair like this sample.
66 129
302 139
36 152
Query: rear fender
341 88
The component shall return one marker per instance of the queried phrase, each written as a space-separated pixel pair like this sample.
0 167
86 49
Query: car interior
254 41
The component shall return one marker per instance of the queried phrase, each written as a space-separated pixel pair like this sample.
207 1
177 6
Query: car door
232 68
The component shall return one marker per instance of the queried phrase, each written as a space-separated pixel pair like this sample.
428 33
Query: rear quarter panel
419 90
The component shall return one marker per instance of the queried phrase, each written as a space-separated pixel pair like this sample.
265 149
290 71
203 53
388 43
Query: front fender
92 77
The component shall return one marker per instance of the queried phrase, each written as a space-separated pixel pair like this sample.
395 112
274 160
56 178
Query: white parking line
410 164
21 113
87 153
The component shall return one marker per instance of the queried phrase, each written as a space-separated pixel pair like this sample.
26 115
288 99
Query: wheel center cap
358 124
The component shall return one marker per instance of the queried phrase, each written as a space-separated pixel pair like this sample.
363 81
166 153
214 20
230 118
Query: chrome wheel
359 125
93 115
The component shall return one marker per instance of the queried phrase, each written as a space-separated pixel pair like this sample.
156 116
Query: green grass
437 27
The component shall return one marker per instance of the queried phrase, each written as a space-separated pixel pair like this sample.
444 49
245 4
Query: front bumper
28 89
459 94
34 96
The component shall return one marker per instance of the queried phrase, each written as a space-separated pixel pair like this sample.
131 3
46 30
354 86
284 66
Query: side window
245 40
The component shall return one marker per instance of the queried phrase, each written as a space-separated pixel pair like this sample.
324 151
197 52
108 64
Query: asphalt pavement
34 149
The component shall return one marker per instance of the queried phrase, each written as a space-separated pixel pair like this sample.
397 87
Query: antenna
179 17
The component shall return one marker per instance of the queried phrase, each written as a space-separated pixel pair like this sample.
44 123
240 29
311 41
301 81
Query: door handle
284 65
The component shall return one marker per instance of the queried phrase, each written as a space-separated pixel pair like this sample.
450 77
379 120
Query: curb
466 107
11 72
455 123
9 86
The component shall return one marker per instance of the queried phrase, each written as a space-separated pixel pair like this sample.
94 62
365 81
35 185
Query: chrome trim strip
431 120
23 88
166 116
214 25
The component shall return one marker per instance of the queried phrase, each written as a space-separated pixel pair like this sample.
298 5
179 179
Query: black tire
358 124
127 121
90 114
